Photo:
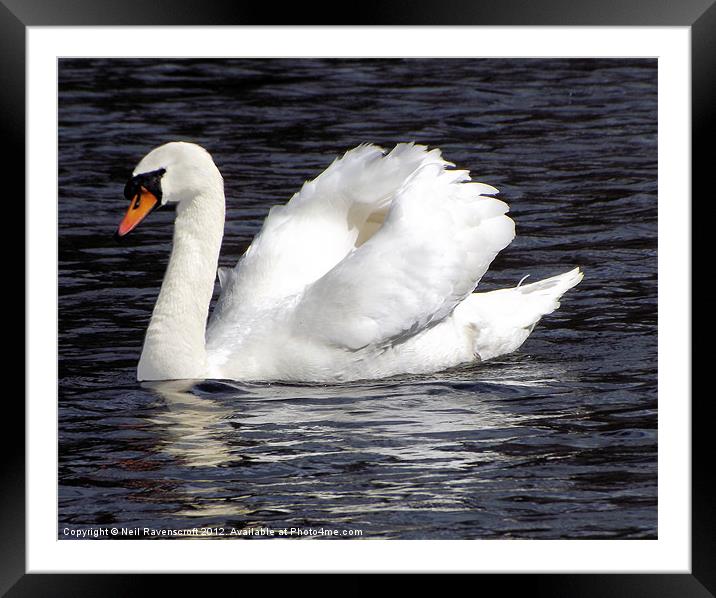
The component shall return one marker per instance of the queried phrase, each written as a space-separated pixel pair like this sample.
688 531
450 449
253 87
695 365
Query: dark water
558 440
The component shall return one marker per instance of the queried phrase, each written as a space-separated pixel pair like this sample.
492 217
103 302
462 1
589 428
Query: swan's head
171 173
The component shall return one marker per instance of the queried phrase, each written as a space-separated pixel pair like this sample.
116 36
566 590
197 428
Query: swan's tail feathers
500 321
546 293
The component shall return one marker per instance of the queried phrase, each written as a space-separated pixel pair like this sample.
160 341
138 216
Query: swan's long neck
175 345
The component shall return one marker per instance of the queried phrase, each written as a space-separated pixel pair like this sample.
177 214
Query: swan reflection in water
325 446
192 423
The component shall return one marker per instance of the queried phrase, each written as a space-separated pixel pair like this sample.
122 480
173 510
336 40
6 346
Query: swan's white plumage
502 320
368 272
302 240
437 241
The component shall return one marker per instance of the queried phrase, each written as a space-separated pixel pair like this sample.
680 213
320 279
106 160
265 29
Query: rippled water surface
557 440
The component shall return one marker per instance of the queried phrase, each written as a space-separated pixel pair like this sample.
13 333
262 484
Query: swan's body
367 272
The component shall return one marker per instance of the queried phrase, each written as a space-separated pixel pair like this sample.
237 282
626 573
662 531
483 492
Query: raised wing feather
302 240
438 239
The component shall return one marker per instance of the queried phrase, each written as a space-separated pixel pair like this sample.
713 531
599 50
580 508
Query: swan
367 272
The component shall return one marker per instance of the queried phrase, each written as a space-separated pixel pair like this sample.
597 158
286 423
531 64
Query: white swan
367 272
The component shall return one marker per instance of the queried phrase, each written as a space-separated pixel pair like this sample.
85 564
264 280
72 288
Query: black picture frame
699 15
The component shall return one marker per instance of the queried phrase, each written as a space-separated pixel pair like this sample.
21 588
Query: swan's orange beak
139 208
